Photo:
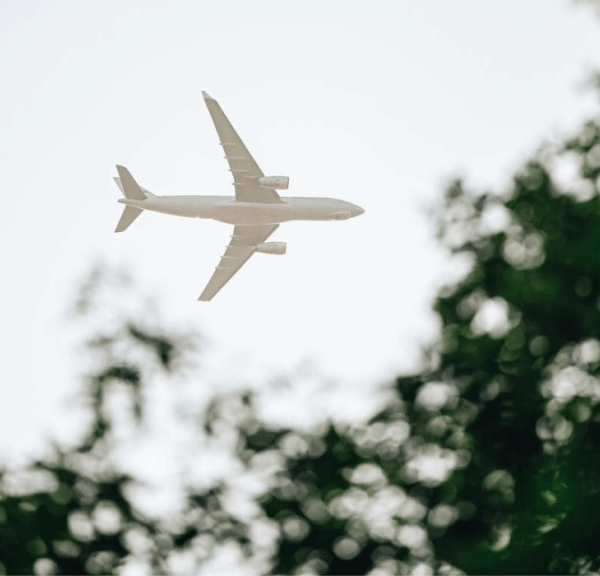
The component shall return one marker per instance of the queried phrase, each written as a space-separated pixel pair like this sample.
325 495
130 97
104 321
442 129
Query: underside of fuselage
226 209
256 210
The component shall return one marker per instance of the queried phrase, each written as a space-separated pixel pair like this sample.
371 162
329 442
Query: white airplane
256 210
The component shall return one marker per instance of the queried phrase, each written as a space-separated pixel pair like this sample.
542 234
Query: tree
75 511
486 461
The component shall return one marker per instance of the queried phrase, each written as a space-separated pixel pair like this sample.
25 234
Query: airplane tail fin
131 191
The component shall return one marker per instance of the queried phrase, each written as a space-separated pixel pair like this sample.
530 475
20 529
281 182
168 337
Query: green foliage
487 461
69 513
73 512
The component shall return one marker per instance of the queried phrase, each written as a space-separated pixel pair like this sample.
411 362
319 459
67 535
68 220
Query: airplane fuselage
256 210
227 209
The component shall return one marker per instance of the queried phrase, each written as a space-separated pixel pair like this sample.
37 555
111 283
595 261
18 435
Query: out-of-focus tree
484 462
593 3
488 460
75 511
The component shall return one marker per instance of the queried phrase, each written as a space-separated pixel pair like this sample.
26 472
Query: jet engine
277 182
272 248
341 215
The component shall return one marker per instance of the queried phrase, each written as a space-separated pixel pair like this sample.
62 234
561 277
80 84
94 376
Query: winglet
207 96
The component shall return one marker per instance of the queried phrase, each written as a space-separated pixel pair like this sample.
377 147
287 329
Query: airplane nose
358 211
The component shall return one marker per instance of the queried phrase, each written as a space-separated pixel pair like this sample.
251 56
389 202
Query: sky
376 103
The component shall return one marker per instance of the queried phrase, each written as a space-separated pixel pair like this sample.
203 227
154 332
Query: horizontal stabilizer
129 215
147 193
129 186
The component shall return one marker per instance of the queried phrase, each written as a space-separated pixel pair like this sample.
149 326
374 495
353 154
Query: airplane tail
129 215
130 189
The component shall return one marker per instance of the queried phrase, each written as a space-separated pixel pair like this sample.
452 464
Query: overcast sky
377 103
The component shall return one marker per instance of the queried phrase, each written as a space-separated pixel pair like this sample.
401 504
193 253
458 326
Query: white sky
376 103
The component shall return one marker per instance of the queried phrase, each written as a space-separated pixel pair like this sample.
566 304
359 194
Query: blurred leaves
486 461
595 4
74 512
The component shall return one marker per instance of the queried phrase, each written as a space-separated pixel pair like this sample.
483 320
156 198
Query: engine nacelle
272 248
277 182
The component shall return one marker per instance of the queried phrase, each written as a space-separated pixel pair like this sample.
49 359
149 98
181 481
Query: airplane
256 210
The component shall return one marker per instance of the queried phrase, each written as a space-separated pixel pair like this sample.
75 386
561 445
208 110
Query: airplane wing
244 168
242 246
